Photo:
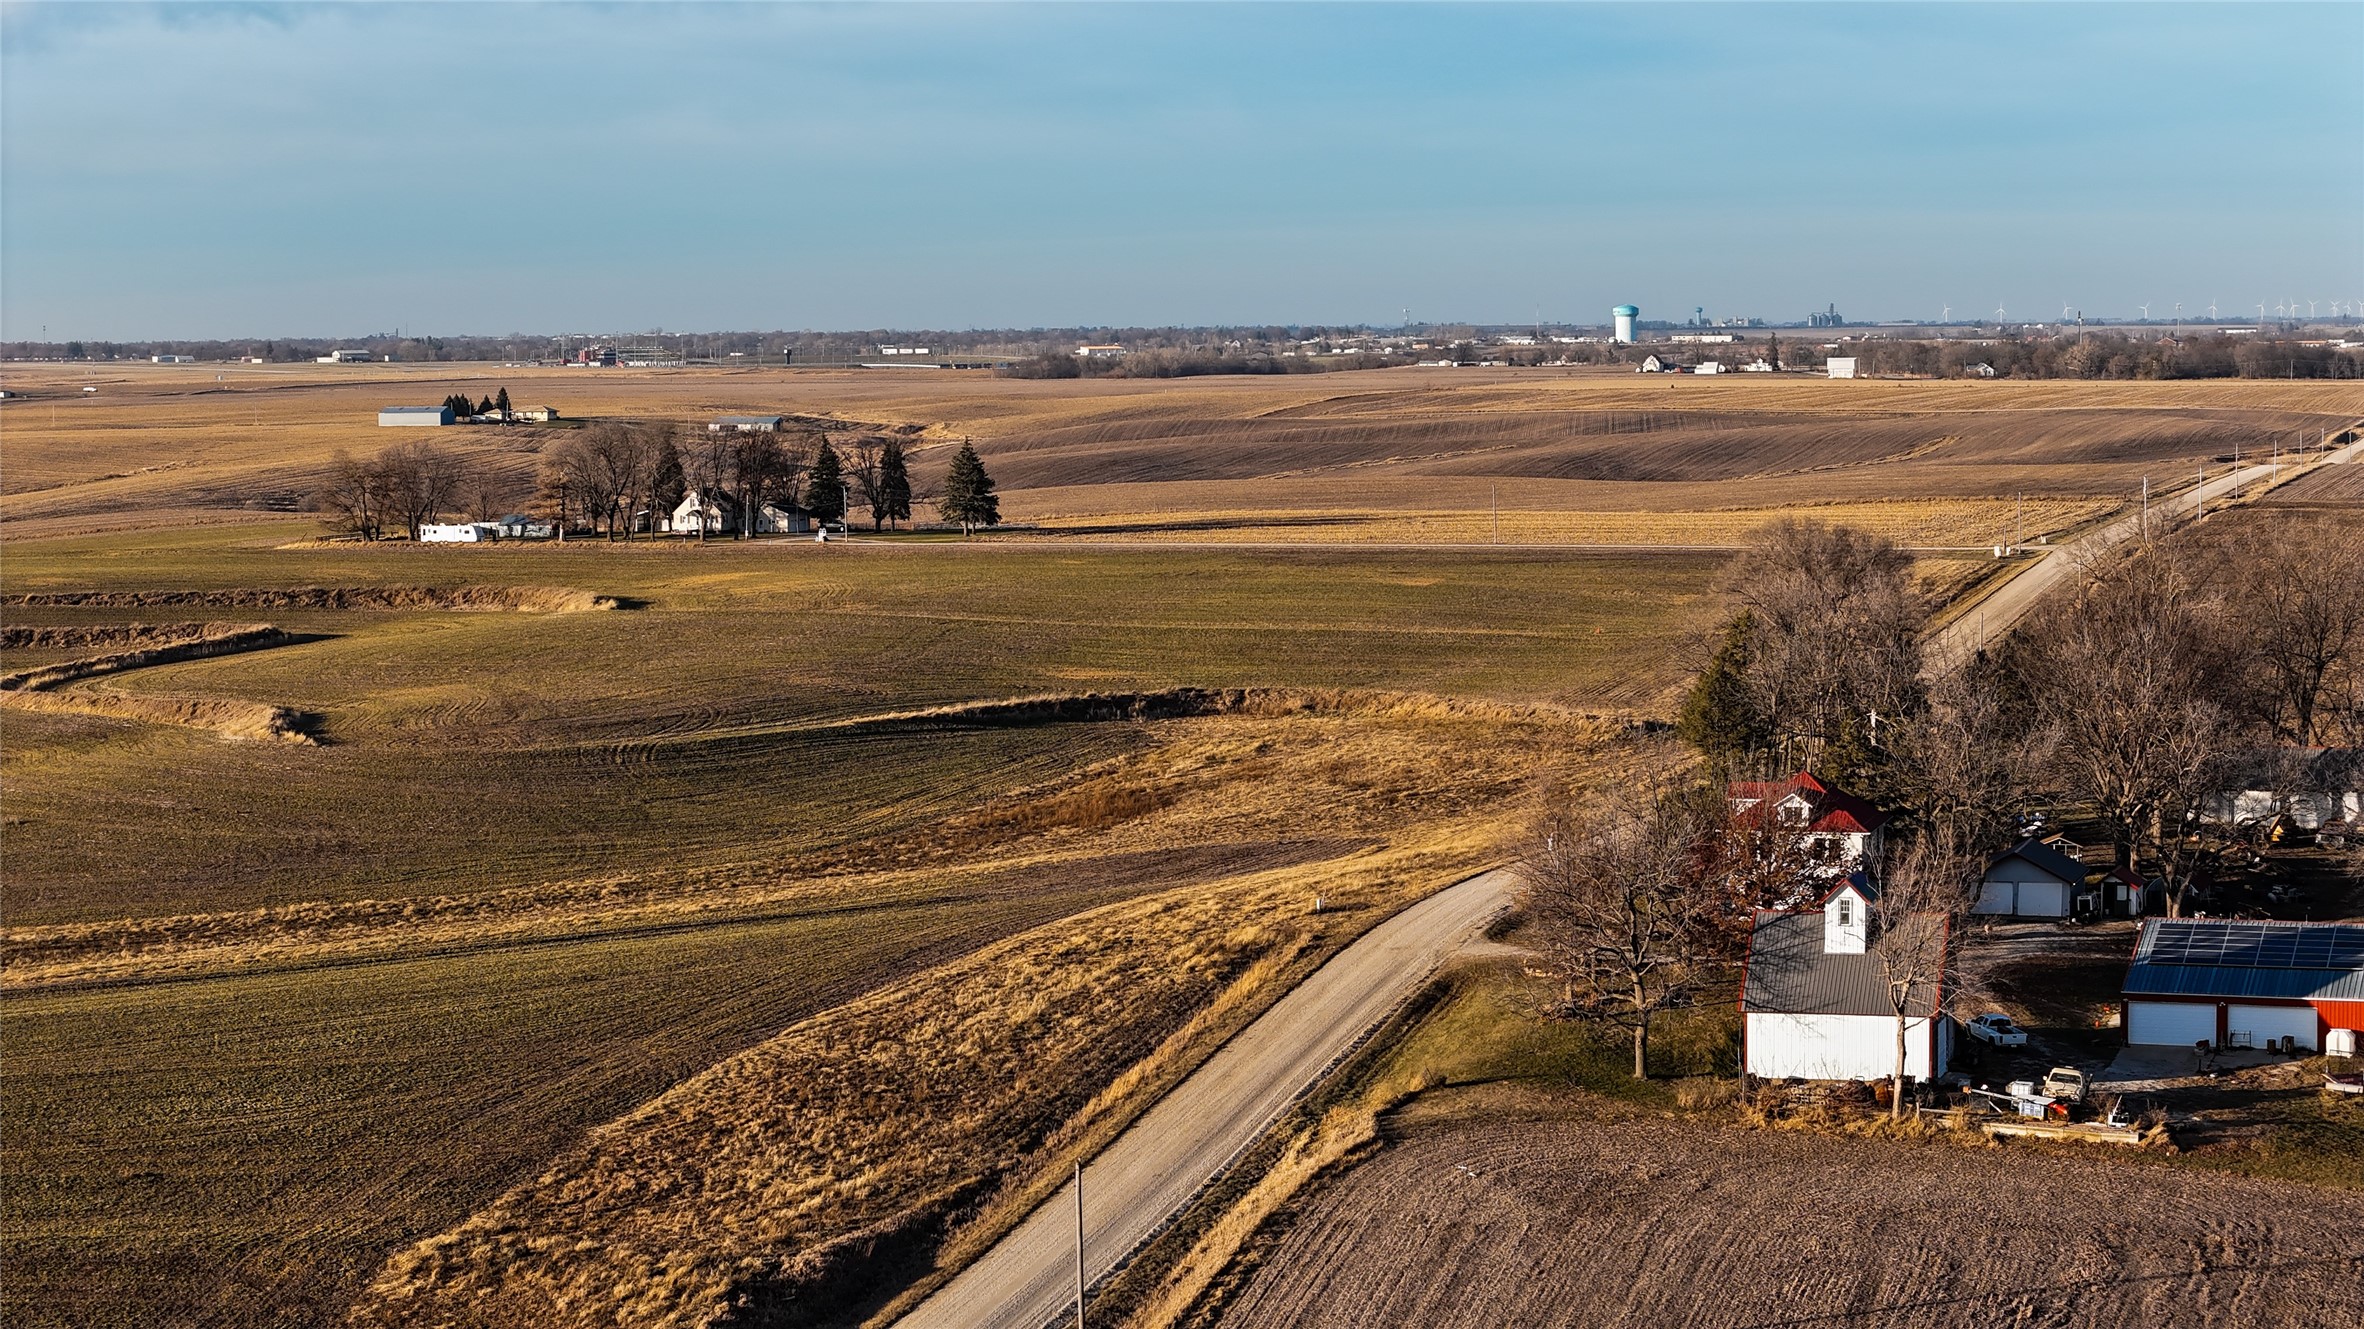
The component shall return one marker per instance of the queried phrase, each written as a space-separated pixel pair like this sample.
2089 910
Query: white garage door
2271 1022
2170 1023
2043 899
1994 898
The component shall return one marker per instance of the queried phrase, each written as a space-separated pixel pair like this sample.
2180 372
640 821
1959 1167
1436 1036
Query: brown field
1486 1211
173 445
873 881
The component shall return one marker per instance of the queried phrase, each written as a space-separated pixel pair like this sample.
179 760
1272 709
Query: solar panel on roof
2256 945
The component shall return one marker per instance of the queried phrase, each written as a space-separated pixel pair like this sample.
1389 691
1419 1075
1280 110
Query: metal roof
412 410
2245 958
2045 857
1790 974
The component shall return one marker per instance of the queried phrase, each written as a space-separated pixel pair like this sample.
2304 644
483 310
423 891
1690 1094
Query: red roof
1829 808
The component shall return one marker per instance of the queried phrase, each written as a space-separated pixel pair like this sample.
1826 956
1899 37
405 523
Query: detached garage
2243 984
2032 881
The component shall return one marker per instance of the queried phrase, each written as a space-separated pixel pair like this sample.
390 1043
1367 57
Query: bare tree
1912 915
1834 632
354 496
1968 761
1612 889
421 481
2299 601
2130 678
868 472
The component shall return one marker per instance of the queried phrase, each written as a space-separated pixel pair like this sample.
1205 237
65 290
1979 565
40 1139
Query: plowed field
1491 1220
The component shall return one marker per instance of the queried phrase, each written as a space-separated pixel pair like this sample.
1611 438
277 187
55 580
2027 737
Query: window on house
1846 911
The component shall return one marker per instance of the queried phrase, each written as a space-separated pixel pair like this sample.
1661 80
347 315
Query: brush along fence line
513 599
721 1197
38 689
211 640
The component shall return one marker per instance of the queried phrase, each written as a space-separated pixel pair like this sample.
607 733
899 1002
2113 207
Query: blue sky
337 169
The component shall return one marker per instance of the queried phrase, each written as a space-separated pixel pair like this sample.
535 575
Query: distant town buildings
1829 318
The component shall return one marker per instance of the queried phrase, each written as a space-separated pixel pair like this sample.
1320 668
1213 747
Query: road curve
1028 1279
1988 619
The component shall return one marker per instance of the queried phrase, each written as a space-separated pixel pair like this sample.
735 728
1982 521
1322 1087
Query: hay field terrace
1558 450
278 1011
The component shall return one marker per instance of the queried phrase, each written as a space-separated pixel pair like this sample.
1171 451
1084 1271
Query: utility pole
1494 505
2146 507
1079 1260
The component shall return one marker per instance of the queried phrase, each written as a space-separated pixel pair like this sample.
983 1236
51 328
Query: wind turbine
2146 312
2310 309
1998 316
2212 311
2064 311
1945 313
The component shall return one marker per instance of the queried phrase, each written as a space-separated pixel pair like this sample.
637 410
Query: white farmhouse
1846 832
1815 1002
718 513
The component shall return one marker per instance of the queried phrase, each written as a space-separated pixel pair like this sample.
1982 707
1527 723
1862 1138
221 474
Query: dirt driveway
1486 1215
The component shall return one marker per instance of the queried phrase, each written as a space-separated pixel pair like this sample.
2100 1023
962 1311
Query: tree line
2109 355
621 479
2215 659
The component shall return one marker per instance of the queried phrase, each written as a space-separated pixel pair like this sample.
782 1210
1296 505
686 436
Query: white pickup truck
1996 1028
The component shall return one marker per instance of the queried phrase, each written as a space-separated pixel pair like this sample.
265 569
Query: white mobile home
458 533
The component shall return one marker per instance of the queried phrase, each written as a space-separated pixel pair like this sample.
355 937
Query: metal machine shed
2243 982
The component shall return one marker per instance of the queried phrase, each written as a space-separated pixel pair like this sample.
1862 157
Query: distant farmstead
414 416
747 424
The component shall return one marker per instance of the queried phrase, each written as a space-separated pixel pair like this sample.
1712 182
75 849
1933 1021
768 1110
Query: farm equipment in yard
2343 1084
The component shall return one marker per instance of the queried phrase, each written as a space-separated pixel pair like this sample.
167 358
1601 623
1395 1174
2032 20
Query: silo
1626 314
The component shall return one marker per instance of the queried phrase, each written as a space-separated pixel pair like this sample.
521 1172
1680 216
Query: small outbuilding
2031 880
1815 1005
402 416
747 424
2243 983
1840 366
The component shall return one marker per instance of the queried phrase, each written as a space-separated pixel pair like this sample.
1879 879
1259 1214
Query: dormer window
1794 812
1846 911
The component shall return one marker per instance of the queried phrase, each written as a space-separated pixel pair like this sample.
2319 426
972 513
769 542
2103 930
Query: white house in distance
718 514
1815 1002
1846 831
2031 880
1108 352
410 416
2244 983
747 424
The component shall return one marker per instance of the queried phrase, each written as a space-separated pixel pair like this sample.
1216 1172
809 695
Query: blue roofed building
2242 983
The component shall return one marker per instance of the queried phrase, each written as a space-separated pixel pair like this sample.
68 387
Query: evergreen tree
824 485
1720 717
968 492
501 403
894 481
461 407
485 407
668 482
1773 351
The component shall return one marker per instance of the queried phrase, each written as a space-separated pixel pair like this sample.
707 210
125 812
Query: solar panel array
2256 945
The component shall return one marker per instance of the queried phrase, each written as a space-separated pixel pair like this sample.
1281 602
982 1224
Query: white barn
429 416
1815 1000
2032 880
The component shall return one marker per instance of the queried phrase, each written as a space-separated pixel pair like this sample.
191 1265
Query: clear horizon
318 171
